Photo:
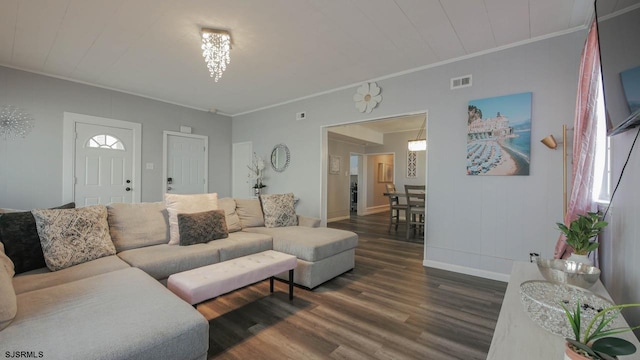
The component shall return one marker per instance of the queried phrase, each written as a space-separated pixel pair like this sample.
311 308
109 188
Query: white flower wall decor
367 97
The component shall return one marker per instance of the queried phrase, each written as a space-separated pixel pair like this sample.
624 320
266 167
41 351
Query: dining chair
416 208
394 207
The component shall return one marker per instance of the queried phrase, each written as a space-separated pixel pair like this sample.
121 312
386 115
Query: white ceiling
282 49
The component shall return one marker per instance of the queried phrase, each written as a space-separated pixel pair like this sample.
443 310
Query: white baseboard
375 209
339 218
467 270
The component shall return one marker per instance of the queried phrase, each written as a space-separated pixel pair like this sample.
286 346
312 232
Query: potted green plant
580 232
596 343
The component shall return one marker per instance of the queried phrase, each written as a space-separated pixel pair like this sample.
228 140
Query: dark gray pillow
202 227
19 235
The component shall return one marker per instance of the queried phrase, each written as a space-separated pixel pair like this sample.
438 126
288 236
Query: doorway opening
381 146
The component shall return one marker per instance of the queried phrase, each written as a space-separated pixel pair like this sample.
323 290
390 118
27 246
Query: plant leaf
592 246
581 346
613 346
572 322
604 356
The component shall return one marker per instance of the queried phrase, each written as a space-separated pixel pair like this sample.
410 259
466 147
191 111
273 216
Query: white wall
31 168
338 185
397 143
621 263
477 223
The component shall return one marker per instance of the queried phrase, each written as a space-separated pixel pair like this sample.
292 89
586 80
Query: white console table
517 337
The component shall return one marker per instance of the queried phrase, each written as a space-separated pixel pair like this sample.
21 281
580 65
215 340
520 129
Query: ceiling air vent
460 82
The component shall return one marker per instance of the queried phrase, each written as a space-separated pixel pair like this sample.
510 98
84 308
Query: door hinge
75 180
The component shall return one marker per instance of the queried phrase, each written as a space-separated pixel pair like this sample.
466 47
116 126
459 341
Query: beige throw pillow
250 212
73 236
8 300
231 216
279 210
186 204
136 225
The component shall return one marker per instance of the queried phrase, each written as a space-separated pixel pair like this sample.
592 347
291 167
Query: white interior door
242 155
186 163
103 164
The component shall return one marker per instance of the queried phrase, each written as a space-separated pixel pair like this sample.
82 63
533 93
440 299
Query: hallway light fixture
420 143
216 45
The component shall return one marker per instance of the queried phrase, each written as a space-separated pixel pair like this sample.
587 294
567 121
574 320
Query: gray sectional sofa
117 307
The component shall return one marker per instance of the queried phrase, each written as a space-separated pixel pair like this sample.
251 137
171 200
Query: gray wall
396 143
338 185
475 224
31 168
621 244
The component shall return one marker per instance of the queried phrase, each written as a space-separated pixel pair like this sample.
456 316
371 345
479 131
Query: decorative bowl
569 272
543 301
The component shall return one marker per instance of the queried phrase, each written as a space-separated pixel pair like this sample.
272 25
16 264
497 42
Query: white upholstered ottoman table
204 283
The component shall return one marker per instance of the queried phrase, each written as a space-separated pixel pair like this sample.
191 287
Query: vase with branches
256 173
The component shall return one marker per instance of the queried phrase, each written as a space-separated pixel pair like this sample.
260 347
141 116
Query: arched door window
104 141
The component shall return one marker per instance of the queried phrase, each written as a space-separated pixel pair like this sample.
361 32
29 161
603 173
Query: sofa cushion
186 204
310 244
202 227
242 243
160 261
19 235
250 212
136 225
229 207
43 278
8 301
123 314
279 210
73 236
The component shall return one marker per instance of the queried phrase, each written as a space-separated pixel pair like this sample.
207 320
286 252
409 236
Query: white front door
103 164
186 163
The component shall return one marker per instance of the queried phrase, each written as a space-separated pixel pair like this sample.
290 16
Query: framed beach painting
499 135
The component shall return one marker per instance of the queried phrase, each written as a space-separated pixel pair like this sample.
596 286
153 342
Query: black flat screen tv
619 40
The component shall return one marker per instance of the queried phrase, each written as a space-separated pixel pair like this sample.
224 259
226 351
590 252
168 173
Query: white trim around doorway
69 147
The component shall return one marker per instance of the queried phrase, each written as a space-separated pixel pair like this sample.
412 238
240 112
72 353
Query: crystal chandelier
215 50
419 144
14 122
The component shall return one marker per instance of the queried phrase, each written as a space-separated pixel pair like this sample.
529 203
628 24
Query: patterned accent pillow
20 237
73 236
279 210
202 227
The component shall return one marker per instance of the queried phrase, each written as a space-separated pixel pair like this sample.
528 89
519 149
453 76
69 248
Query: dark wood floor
388 307
377 225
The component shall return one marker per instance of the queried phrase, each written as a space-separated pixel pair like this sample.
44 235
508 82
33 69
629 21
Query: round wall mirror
280 157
